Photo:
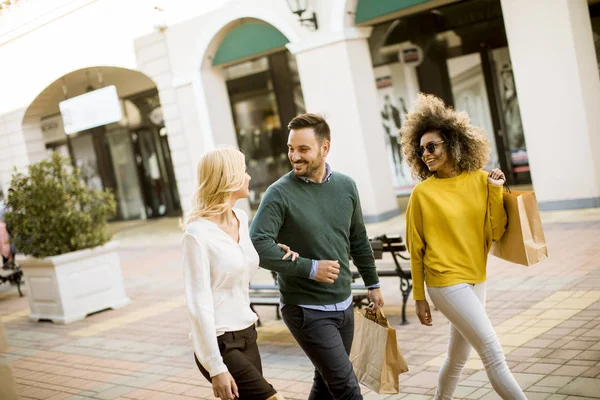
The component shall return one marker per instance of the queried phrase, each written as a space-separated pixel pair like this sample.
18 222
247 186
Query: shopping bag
375 355
524 241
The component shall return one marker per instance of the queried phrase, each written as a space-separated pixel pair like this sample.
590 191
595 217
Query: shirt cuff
375 286
314 269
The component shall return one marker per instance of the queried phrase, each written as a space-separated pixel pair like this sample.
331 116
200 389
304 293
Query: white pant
464 306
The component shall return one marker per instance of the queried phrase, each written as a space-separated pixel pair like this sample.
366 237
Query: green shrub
51 211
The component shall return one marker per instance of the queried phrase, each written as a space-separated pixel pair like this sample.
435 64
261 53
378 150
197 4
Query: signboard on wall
411 55
96 108
53 129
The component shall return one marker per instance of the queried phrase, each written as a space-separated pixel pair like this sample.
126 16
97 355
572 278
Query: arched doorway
263 93
129 154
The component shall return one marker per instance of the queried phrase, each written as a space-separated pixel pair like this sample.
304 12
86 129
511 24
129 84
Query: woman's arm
496 209
196 273
415 241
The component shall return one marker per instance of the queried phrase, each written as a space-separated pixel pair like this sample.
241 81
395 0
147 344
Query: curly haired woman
453 216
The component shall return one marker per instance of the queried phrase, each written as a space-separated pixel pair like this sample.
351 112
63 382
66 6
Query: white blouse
217 272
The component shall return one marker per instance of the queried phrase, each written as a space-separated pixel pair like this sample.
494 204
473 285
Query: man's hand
376 298
327 271
423 312
224 386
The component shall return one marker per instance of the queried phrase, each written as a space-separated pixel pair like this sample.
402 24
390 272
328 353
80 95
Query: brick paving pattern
547 318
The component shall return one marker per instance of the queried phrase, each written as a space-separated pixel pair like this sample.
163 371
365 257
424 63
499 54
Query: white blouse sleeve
196 273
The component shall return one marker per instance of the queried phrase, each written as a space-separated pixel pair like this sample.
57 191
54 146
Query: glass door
469 91
510 115
151 176
128 194
85 159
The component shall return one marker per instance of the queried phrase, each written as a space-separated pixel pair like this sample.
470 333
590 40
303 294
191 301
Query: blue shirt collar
327 175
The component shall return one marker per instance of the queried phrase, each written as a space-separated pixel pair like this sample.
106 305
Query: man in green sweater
317 213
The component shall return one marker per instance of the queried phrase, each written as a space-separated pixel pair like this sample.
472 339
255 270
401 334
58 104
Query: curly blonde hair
467 146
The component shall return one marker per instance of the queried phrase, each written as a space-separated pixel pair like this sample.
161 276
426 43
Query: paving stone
570 370
422 379
564 354
526 380
557 397
577 345
480 393
592 372
157 350
543 389
541 368
586 387
555 381
463 391
588 355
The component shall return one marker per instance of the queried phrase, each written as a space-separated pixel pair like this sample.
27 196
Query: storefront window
459 53
152 156
511 113
86 161
131 203
397 88
265 95
470 95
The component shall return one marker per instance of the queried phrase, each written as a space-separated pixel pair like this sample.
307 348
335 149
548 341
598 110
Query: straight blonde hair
221 172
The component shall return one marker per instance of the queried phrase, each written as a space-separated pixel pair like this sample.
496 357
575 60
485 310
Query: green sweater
321 222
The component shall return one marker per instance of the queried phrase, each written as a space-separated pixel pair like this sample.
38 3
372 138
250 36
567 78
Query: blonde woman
452 217
218 261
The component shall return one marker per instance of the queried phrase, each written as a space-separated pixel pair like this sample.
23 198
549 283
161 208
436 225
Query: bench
268 295
12 274
394 245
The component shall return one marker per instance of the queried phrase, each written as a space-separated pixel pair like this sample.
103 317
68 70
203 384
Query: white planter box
68 287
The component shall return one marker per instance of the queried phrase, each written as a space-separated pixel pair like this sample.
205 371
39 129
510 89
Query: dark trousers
240 354
326 338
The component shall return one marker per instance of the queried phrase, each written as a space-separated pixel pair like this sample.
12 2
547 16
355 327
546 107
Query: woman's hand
423 312
224 386
496 177
288 252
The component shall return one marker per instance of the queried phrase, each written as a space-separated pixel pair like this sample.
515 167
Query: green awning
247 40
371 9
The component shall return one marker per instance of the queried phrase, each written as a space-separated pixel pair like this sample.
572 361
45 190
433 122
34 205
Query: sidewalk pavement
547 318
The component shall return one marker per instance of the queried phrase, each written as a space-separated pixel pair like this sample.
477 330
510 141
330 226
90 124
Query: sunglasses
430 147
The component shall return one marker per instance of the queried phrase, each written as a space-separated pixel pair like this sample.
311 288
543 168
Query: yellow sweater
450 225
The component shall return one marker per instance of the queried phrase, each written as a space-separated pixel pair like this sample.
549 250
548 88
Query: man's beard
311 167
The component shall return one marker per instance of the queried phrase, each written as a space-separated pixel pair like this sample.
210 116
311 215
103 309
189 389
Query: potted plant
71 268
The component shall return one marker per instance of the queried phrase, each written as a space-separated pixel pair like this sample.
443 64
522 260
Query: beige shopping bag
523 242
375 355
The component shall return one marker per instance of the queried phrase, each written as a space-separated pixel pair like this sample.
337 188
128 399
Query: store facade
130 157
458 52
237 74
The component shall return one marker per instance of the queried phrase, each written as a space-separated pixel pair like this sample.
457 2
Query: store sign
53 129
92 109
411 55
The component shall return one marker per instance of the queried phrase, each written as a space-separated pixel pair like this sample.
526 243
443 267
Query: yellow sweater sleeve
415 241
497 212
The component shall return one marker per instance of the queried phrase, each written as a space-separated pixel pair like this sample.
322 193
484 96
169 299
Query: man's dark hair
317 122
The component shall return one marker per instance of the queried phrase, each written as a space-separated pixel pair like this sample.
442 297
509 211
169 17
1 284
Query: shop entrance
130 157
265 95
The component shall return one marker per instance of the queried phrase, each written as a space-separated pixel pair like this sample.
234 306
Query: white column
14 151
556 75
337 79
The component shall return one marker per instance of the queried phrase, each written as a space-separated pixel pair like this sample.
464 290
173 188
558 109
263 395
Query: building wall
44 44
